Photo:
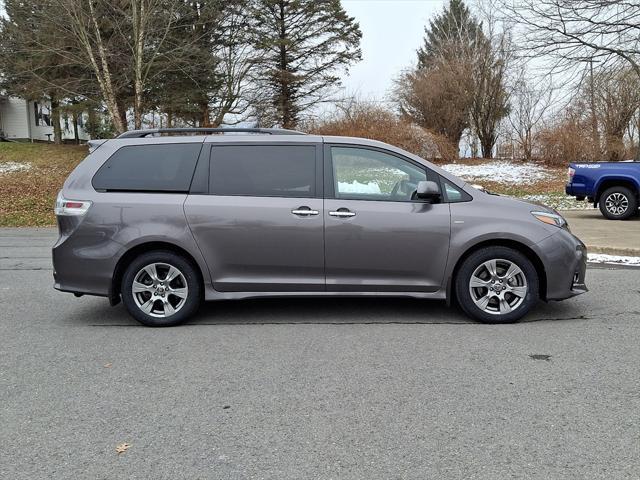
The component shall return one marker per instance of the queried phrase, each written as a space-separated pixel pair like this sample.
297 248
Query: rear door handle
304 211
342 213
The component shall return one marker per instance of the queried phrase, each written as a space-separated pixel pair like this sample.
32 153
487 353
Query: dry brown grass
27 197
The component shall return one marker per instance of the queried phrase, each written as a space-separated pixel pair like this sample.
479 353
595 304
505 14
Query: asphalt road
314 389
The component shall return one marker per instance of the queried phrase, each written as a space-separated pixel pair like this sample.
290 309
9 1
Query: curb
625 252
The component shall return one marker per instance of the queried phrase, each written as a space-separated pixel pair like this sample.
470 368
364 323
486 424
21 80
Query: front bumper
565 262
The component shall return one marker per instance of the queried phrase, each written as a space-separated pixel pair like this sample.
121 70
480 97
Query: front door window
363 174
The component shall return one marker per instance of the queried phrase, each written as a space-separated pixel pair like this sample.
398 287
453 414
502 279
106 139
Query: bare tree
237 64
82 22
529 105
617 98
571 30
438 98
151 22
490 100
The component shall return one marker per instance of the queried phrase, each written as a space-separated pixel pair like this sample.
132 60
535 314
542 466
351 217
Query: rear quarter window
149 168
263 170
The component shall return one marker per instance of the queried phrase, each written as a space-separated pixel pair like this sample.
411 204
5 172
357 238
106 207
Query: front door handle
342 213
304 211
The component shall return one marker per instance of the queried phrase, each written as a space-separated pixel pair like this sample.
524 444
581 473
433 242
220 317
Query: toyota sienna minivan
163 219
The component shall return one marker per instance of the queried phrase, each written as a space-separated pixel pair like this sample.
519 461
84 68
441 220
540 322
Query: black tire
504 255
189 278
620 192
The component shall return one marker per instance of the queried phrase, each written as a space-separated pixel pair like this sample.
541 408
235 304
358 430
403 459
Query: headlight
551 219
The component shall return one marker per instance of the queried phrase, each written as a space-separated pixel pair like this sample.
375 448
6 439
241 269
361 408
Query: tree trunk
138 19
205 119
55 120
137 111
76 133
474 146
102 71
92 123
287 119
637 155
122 112
486 144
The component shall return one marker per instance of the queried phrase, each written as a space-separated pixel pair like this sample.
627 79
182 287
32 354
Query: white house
27 120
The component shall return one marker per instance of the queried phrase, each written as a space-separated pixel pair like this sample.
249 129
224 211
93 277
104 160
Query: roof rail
157 131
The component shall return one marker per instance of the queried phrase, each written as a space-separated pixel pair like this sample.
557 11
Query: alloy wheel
498 286
159 290
616 204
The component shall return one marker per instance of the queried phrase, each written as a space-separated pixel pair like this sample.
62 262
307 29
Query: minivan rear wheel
497 285
161 289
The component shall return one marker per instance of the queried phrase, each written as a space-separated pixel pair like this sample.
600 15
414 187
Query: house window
43 115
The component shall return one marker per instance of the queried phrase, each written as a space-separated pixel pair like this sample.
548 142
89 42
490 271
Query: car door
378 237
260 224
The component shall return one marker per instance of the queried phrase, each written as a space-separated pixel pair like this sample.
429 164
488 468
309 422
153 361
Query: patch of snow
558 201
500 171
357 187
10 167
613 259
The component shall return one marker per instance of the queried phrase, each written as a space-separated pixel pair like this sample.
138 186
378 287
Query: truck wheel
618 203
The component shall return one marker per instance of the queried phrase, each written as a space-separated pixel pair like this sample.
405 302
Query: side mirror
428 191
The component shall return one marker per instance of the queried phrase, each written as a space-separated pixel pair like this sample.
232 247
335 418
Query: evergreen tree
453 34
303 45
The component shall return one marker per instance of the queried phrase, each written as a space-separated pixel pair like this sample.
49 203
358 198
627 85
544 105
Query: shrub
569 140
377 123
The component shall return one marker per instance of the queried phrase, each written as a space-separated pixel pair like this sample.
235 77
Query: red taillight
71 207
73 204
570 173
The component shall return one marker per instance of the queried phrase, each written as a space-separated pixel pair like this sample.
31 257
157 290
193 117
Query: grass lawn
27 196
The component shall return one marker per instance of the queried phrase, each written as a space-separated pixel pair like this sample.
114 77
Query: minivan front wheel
497 285
161 289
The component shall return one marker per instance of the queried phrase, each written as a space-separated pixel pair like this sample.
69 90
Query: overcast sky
392 31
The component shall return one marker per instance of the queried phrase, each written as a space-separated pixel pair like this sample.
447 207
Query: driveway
605 236
326 389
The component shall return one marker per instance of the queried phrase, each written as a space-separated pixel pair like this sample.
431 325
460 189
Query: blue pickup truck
613 186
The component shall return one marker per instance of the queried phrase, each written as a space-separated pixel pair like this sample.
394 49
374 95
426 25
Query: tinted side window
263 170
149 168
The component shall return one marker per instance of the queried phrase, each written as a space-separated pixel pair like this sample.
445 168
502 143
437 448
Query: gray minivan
166 218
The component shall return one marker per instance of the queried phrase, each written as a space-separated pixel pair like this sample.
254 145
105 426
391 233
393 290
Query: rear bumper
576 189
82 266
565 261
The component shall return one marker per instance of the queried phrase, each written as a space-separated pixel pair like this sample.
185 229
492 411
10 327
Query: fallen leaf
123 447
